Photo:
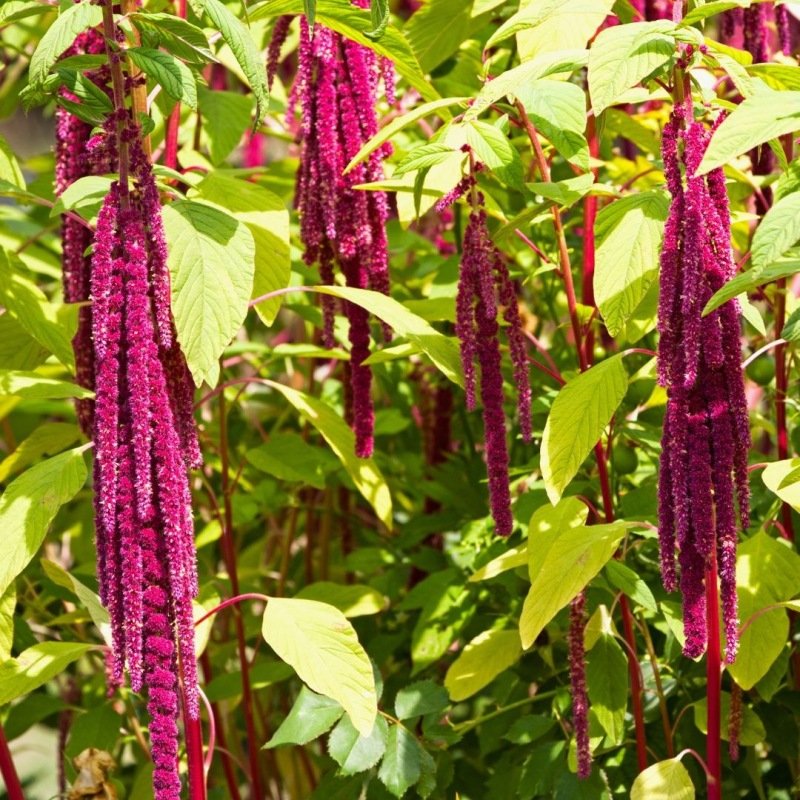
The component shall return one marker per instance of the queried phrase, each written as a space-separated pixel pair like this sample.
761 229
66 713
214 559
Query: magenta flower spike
703 469
342 227
577 679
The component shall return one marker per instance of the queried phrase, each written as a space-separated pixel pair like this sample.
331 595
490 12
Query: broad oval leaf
579 415
401 767
174 77
317 640
29 504
354 752
778 230
211 261
312 715
607 685
352 599
481 661
666 780
33 386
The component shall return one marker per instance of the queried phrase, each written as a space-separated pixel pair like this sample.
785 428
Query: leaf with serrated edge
311 715
778 230
401 765
354 752
317 640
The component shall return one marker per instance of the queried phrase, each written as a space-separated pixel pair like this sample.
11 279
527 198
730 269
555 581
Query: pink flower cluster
145 442
706 435
341 226
484 286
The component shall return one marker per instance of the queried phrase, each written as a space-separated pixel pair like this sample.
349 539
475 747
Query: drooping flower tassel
145 442
577 679
342 227
483 286
706 438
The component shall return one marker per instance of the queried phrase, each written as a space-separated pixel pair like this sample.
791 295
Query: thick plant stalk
9 771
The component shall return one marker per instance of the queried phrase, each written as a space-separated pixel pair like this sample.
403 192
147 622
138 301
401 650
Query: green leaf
568 513
666 780
352 599
228 685
481 661
621 56
627 581
176 35
442 350
74 19
89 600
424 155
420 698
628 233
238 37
709 9
289 457
27 304
33 386
495 151
13 10
764 116
436 31
37 665
751 728
753 278
354 752
363 471
791 330
778 230
401 122
515 557
226 116
29 504
512 81
312 715
563 561
607 683
529 728
379 11
266 216
174 77
99 727
211 257
549 25
8 602
9 166
83 196
92 98
767 573
564 193
321 645
45 440
580 413
355 23
401 765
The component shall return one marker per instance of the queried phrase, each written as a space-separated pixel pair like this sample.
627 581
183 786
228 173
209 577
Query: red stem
229 557
174 120
9 771
589 216
713 684
230 602
193 732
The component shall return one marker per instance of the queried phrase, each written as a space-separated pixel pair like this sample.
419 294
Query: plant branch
9 771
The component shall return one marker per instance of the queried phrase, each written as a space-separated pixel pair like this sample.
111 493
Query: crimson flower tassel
706 436
577 679
341 226
483 286
145 442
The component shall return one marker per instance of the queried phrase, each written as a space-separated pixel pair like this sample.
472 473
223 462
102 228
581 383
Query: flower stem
713 684
781 376
9 771
174 119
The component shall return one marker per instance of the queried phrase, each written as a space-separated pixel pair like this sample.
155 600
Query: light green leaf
628 233
312 715
563 561
72 20
174 77
267 217
238 37
481 661
751 728
352 599
83 196
564 193
47 440
289 457
512 81
424 155
751 279
436 31
89 600
764 116
607 684
791 330
29 504
441 349
666 780
175 35
9 167
513 558
627 581
37 665
401 122
355 23
401 765
211 261
778 230
568 513
321 645
576 422
226 116
767 573
494 150
621 56
8 602
33 386
419 699
354 752
709 9
364 472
